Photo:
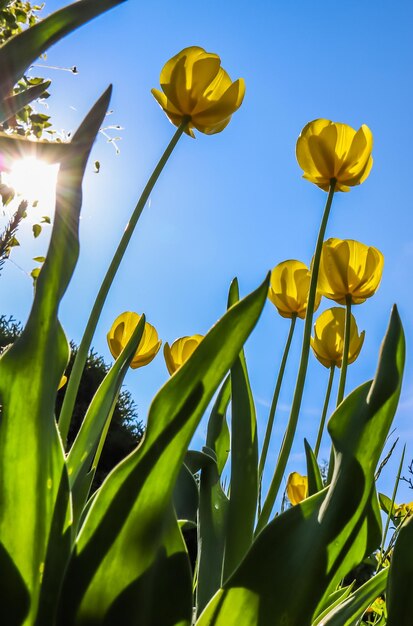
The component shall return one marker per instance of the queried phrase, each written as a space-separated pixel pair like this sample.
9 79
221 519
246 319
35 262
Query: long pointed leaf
218 433
84 447
244 462
399 590
19 52
325 536
352 608
213 511
122 537
34 483
315 481
12 105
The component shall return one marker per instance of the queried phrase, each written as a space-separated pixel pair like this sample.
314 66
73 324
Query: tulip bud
122 330
180 351
329 151
328 340
297 488
289 286
196 87
349 268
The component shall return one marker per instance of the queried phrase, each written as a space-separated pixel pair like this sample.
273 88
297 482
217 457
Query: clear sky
235 204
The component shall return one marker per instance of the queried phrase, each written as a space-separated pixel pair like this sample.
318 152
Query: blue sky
235 204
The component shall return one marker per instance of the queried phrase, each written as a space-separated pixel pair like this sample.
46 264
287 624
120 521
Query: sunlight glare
33 180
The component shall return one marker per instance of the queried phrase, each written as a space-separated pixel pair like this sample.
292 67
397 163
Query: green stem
273 408
299 387
386 529
75 376
344 364
343 375
104 434
325 409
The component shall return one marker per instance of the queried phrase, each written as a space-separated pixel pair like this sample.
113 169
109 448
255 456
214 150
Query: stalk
78 366
299 387
325 409
273 408
344 364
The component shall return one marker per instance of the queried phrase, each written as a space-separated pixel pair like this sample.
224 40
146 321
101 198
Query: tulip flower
403 510
196 88
328 340
329 151
62 382
180 351
349 269
289 286
122 330
297 488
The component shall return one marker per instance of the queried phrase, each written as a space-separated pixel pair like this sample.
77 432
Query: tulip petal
212 130
360 151
189 78
344 136
230 101
191 53
213 92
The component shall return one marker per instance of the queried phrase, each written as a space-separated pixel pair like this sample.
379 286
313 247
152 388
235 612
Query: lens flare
33 180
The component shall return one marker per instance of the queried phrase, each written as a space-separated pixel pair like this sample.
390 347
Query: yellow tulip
120 333
63 381
180 351
288 291
403 510
196 87
297 488
349 268
329 150
328 340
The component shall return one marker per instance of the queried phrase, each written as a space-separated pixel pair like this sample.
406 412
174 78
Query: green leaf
218 432
213 503
39 259
244 462
212 518
122 538
386 504
330 601
195 460
326 535
34 490
13 243
13 104
185 496
352 608
37 229
315 482
399 590
19 52
46 219
84 447
35 274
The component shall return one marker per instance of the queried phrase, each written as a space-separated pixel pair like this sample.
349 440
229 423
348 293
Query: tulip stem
273 408
104 434
325 409
81 357
346 347
302 370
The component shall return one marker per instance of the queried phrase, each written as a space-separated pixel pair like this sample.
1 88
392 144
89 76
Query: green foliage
20 117
70 557
125 430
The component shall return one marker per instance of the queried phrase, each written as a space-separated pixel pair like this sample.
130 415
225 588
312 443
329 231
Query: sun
33 180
